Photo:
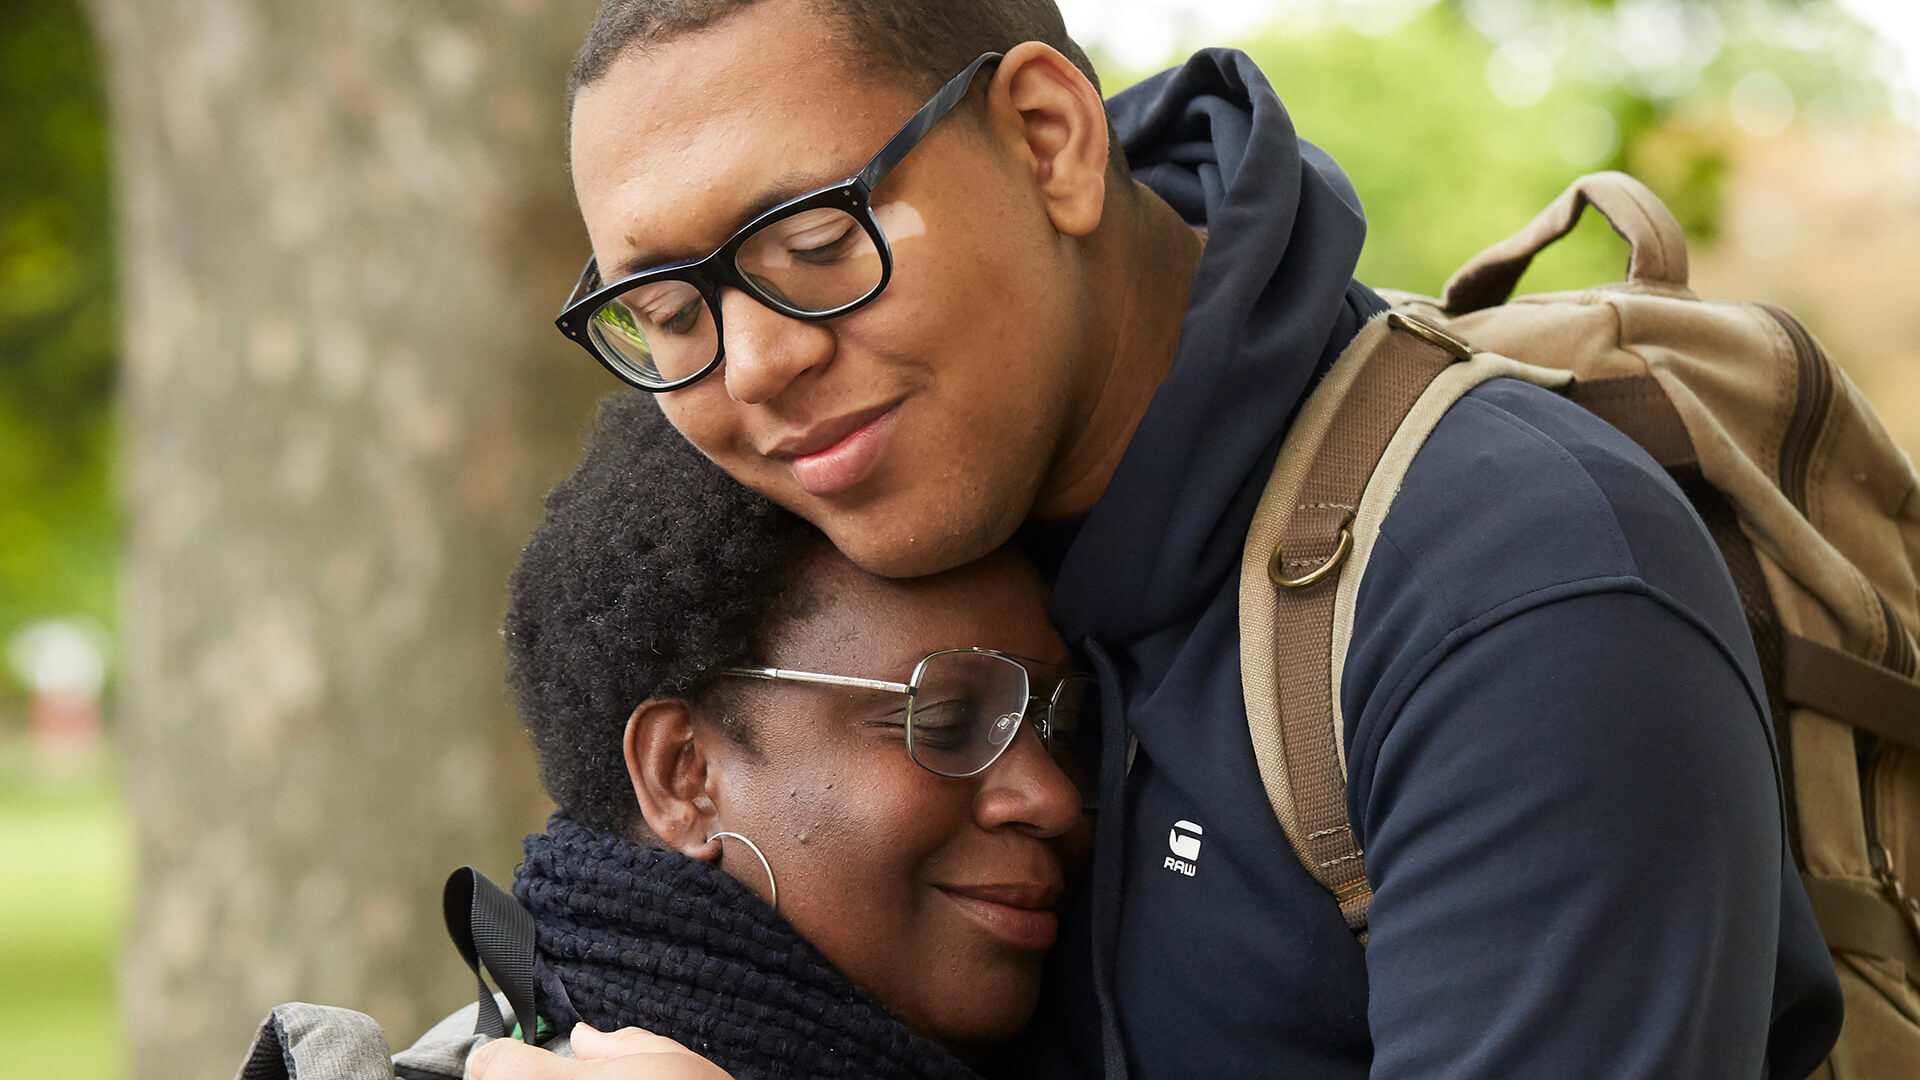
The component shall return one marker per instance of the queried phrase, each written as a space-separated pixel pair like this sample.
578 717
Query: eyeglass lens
812 262
1073 733
969 707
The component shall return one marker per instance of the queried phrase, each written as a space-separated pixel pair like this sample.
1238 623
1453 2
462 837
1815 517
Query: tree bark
345 230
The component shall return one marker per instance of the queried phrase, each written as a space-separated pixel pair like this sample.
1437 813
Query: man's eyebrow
788 185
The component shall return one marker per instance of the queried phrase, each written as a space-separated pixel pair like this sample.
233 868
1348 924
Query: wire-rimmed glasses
964 707
817 256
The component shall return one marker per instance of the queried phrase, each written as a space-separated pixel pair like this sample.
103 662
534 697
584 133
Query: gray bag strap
298 1041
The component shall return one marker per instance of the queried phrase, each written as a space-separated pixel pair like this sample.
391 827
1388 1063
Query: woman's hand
627 1054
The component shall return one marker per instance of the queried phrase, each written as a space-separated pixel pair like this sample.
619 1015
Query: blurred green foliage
58 535
1445 167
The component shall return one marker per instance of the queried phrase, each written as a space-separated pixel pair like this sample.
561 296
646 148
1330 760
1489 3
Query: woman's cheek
853 851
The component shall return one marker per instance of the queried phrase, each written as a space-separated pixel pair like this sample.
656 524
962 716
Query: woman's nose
767 351
1027 790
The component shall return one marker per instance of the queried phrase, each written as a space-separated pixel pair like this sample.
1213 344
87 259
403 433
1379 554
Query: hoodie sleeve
1575 838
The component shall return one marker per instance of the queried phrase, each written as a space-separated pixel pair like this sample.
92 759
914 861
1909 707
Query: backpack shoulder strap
1339 468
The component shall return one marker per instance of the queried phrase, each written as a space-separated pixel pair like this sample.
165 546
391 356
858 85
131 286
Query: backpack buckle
1429 333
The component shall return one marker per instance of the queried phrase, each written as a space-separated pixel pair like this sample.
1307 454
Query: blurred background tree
311 351
343 229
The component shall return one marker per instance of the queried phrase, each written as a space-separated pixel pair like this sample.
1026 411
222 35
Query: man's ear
670 778
1062 124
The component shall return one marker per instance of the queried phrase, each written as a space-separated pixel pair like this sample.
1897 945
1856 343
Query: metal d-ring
1277 570
1430 334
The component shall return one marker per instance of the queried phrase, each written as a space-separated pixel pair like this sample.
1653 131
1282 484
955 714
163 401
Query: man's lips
1020 915
836 454
826 433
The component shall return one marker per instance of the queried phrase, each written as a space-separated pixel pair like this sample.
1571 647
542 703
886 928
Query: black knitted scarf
640 936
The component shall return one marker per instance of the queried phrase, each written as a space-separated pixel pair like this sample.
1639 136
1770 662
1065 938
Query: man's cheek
704 415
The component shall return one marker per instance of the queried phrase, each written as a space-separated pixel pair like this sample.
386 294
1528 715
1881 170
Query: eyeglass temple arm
818 679
588 281
921 122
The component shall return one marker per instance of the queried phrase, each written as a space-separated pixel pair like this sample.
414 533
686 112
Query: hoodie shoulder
1554 711
1518 498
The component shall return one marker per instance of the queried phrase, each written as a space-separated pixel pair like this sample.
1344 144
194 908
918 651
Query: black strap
494 935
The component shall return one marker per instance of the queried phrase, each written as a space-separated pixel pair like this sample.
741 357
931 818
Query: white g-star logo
1184 841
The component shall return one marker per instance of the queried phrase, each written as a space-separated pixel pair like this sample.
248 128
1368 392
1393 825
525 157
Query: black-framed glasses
817 256
965 706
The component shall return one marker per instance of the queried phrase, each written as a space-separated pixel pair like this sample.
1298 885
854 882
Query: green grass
65 871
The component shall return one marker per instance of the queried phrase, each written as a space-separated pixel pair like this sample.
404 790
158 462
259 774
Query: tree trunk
345 230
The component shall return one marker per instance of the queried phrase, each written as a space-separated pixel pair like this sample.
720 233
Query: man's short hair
923 41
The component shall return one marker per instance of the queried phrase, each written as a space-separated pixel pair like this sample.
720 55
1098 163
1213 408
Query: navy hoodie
1562 769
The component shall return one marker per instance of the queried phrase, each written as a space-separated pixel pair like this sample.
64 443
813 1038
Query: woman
809 822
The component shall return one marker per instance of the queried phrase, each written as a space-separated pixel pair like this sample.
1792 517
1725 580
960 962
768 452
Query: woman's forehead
882 626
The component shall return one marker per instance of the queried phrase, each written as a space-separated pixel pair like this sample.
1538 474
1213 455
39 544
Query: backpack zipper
1900 658
1810 407
1804 427
1884 870
1900 655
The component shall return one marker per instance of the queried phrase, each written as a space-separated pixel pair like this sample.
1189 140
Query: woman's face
936 895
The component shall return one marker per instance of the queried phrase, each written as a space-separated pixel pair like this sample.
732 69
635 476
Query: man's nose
767 351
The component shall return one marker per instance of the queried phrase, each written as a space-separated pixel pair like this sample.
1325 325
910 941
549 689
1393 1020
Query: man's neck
1157 256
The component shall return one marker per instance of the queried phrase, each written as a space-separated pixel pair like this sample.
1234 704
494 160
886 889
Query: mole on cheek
808 811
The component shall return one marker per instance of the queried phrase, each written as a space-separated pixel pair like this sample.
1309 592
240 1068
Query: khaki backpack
1813 506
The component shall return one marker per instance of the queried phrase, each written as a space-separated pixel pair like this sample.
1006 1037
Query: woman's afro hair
650 569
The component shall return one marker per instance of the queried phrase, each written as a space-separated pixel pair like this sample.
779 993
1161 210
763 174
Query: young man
1561 769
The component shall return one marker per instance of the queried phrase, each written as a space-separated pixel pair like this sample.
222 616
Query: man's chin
887 550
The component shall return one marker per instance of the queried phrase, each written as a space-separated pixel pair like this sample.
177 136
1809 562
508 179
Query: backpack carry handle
495 935
1659 247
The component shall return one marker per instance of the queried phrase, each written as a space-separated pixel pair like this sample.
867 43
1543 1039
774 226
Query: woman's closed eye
944 724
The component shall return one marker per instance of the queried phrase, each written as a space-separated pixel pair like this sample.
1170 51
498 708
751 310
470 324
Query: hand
627 1054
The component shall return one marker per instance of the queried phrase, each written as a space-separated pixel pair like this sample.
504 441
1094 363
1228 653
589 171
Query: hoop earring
773 887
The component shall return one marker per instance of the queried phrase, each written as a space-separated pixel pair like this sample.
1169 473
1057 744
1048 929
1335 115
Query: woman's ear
1063 125
669 773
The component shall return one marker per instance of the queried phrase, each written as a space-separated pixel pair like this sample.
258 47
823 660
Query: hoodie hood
1273 303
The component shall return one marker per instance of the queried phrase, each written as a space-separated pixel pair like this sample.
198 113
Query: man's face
916 431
